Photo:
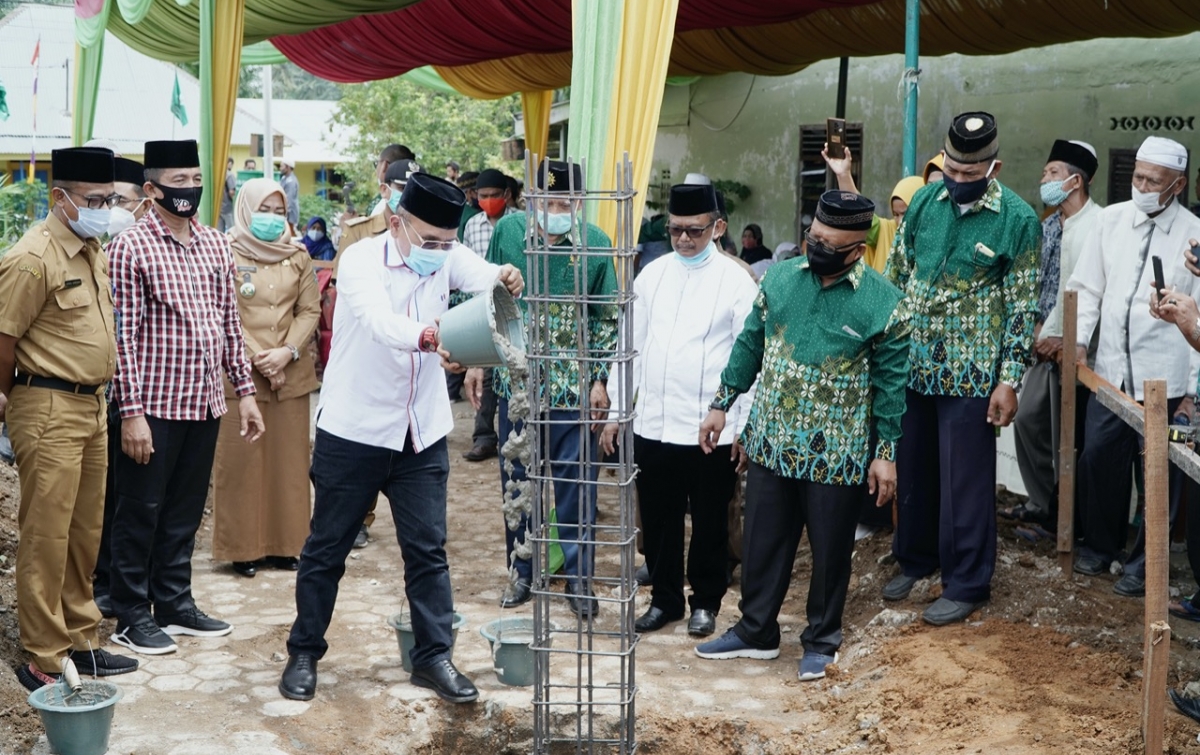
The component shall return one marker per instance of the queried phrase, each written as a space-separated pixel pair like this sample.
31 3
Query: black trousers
777 511
159 507
671 480
101 576
485 415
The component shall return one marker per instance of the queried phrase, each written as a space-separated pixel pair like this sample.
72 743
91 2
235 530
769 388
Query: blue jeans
348 476
566 469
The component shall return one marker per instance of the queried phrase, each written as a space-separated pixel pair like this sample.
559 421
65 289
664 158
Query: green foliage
437 127
291 82
734 192
249 82
18 206
316 205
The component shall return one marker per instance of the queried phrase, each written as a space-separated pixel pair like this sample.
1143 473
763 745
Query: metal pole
268 133
843 73
912 42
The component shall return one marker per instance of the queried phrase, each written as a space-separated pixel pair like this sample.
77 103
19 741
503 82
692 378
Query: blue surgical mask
1053 193
267 226
315 234
425 262
92 224
704 254
393 200
555 223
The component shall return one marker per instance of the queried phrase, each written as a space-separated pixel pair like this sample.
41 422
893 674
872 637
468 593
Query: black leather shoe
1092 566
945 611
899 588
654 620
299 680
703 623
246 568
642 575
584 605
516 595
445 680
481 452
287 563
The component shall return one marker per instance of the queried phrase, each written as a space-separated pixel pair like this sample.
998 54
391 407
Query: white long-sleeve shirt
686 320
378 385
1114 283
1076 232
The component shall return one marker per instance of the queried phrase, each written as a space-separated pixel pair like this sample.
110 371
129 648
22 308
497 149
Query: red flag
37 52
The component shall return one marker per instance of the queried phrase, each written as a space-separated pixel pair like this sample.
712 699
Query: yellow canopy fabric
220 48
535 107
496 78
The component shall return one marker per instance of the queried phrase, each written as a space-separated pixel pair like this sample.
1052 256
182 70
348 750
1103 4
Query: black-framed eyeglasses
691 231
844 248
96 203
432 244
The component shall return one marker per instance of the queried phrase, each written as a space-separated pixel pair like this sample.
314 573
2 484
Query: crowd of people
869 367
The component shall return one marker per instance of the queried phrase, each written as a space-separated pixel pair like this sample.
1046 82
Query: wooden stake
1157 640
1066 432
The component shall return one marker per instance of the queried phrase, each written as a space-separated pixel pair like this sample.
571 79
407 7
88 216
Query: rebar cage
584 688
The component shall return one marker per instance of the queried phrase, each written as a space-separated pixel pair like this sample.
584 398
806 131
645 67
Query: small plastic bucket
402 623
77 729
471 331
511 640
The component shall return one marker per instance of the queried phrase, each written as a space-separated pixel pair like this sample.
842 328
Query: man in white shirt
691 306
1065 186
382 425
1114 279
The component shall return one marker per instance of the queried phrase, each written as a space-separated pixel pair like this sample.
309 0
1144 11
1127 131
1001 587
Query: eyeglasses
692 232
432 244
808 239
96 203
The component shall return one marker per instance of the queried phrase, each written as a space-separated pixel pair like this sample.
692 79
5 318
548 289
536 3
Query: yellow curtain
492 79
641 74
536 108
228 22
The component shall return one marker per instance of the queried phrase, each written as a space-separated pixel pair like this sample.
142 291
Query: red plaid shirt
177 322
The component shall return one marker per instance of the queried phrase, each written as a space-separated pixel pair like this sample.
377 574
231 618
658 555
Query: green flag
177 108
3 103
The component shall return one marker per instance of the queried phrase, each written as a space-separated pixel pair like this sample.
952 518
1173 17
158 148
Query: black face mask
966 192
825 262
183 203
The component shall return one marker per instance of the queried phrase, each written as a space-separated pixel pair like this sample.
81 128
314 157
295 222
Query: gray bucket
77 725
474 332
511 640
402 623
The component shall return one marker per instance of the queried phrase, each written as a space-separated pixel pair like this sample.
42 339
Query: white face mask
1148 202
120 220
315 234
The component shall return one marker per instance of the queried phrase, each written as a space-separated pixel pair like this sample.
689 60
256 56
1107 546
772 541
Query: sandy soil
1051 665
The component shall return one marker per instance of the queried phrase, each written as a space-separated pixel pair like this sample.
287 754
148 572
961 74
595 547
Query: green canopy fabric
596 32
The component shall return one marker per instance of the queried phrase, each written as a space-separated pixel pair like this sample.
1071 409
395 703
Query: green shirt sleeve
1020 303
900 260
602 318
746 359
889 379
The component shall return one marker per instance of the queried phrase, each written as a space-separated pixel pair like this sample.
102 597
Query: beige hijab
249 198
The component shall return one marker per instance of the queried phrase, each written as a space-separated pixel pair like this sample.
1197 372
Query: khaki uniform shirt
56 300
283 311
356 230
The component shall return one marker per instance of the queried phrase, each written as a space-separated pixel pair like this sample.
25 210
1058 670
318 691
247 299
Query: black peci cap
93 165
692 199
130 171
434 200
557 176
181 154
1074 153
845 210
972 138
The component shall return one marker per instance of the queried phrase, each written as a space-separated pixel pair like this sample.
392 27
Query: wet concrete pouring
1051 665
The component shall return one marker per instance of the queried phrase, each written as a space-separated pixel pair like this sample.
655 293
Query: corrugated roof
134 105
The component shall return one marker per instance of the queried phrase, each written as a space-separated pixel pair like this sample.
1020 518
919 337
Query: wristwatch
295 352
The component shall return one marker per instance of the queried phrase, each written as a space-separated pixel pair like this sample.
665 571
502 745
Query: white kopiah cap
1165 152
697 179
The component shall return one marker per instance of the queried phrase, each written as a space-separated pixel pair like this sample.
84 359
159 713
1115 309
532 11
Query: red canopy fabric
451 33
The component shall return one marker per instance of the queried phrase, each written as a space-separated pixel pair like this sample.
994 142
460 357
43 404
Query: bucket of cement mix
478 331
511 640
77 722
402 623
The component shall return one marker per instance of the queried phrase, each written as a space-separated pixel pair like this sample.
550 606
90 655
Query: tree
436 126
291 82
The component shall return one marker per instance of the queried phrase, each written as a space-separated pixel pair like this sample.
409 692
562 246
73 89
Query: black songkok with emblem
434 200
972 138
692 199
181 154
399 171
92 165
845 210
557 176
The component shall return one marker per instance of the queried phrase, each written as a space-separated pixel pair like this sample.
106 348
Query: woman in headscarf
902 195
752 245
261 504
316 240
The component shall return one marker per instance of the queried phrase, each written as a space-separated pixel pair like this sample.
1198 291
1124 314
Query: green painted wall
1064 91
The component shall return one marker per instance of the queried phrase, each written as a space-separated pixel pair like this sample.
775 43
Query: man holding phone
1115 278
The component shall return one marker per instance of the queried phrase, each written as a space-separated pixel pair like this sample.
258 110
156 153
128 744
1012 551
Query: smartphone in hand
1159 279
835 137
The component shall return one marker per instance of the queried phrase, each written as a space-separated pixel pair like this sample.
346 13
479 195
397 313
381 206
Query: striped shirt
178 324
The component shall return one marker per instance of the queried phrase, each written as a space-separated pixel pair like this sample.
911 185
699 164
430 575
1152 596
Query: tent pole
268 140
912 39
843 74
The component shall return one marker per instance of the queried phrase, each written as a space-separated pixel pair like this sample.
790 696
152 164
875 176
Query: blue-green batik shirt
971 281
830 362
562 376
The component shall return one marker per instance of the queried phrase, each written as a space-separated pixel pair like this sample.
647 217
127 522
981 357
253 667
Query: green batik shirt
971 281
830 362
563 382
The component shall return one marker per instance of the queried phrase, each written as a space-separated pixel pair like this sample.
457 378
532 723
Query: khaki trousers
61 444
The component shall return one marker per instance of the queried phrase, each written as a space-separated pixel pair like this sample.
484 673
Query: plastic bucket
471 332
402 623
77 729
511 640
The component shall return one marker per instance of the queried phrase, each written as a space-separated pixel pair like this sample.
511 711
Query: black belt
37 381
